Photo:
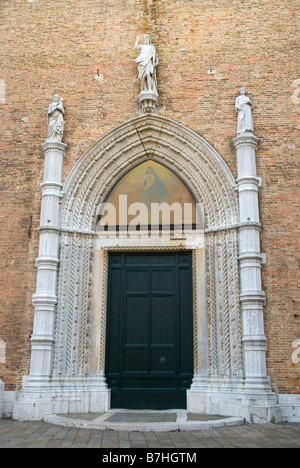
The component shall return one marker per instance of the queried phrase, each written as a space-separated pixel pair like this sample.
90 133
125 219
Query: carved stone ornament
89 183
56 119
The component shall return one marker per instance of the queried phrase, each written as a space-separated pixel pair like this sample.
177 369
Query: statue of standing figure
147 62
56 119
243 106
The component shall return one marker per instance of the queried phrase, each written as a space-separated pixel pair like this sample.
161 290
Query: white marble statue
147 62
243 106
56 119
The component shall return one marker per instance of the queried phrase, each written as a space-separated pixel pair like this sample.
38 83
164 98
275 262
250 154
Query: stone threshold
143 421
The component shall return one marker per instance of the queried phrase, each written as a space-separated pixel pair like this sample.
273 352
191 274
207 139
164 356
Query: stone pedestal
45 298
61 395
148 102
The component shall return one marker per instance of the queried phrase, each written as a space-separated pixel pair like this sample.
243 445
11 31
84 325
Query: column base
231 397
61 395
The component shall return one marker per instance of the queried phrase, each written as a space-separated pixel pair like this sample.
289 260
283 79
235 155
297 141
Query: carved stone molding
224 329
54 144
246 139
88 184
163 140
73 319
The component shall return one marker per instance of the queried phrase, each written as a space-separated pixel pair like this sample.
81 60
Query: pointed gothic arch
166 141
80 318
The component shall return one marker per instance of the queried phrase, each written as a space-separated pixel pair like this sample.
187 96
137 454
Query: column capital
54 145
247 138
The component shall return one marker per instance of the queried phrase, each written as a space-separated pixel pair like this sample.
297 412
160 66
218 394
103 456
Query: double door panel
149 354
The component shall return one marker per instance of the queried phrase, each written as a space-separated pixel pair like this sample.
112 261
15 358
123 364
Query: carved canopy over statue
243 106
147 62
56 119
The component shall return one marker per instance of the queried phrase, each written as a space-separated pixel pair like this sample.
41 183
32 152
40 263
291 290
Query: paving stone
142 417
16 434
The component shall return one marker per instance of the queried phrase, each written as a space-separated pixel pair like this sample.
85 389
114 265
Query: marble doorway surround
68 341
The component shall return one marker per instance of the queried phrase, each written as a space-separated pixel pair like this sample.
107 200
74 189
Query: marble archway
218 348
68 343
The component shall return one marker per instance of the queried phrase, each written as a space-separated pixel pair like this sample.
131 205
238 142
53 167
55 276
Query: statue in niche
56 119
147 62
243 106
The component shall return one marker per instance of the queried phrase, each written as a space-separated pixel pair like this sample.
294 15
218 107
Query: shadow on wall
2 352
2 92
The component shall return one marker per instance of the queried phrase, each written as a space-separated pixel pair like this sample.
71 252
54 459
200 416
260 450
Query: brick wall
83 50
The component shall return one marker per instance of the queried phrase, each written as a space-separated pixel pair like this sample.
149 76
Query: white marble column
250 258
45 297
35 398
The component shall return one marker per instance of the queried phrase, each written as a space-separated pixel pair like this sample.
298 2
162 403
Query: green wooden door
149 347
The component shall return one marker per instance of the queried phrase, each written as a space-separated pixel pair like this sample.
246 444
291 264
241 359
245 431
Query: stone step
143 421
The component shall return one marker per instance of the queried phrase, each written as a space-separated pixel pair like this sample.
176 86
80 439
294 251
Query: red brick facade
83 50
